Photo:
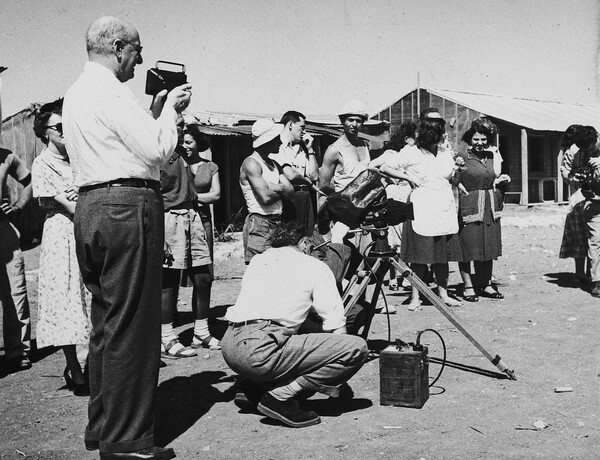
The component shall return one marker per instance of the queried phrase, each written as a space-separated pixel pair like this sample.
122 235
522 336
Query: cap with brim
265 130
353 108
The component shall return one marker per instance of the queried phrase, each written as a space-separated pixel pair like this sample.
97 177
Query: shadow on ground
182 401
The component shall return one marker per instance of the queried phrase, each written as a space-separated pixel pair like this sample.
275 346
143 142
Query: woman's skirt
419 249
574 240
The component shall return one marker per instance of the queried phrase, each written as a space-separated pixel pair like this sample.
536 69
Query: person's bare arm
284 188
312 169
214 194
330 161
251 173
65 202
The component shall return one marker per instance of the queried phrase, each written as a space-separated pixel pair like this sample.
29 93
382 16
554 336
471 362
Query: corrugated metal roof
218 130
529 113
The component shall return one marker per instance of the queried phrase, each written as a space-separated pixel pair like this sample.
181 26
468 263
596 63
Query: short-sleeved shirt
10 165
177 182
433 200
51 175
293 155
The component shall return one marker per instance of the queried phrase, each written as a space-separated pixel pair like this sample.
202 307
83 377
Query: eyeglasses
57 127
138 48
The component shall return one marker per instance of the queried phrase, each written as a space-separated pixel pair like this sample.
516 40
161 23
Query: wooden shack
529 137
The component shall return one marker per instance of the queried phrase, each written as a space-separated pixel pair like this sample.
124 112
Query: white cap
353 108
265 130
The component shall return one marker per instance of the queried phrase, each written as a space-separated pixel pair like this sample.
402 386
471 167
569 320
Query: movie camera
165 75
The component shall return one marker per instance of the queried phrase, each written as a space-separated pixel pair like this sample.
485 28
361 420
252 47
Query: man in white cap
263 185
347 157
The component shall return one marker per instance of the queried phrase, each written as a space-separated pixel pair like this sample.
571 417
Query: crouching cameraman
276 364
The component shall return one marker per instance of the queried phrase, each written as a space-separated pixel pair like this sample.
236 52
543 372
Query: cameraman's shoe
287 412
248 395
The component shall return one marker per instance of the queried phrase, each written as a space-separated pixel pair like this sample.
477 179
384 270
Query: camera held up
165 75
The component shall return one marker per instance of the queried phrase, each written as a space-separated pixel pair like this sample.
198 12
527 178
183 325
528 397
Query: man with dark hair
585 169
116 150
13 289
279 289
297 159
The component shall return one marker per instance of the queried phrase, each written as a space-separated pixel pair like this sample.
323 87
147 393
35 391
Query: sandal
207 342
175 350
491 295
414 304
470 298
450 302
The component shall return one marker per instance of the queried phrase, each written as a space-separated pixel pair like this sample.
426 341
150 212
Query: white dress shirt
109 135
282 284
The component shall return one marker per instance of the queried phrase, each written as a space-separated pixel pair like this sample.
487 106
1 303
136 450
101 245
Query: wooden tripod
373 268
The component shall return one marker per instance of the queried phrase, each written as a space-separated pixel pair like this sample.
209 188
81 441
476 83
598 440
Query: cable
419 346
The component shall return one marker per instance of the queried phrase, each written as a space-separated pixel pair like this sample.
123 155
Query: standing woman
397 189
574 241
64 302
479 214
208 188
431 238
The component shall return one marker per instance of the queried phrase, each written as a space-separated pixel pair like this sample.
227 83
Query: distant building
529 138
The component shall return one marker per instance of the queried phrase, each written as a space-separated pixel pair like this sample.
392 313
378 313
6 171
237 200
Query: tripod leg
359 282
450 316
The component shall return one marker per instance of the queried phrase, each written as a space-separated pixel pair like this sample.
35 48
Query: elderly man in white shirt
116 149
262 345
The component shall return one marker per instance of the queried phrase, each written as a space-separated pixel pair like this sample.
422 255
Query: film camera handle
175 64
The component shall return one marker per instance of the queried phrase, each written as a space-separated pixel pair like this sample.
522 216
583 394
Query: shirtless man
347 157
263 185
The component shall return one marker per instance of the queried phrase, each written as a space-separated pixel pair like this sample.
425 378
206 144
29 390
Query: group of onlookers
143 184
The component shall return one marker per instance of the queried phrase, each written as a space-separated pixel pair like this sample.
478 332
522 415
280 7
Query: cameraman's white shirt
282 284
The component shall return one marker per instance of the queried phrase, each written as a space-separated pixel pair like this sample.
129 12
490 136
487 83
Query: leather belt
136 183
254 321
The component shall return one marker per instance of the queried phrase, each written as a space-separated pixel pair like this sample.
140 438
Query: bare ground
546 329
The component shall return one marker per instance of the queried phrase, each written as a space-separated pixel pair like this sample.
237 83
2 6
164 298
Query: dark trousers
302 209
119 233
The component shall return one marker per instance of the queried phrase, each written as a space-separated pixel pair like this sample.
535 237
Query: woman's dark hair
568 137
480 128
397 139
41 122
431 131
585 136
287 234
202 140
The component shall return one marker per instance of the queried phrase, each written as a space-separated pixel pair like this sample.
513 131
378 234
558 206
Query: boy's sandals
175 350
207 342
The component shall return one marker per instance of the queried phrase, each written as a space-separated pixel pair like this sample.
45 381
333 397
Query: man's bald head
101 35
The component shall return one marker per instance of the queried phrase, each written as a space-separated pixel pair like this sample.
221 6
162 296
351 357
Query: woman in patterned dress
479 213
63 301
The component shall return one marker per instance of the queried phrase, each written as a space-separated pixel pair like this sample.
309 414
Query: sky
269 56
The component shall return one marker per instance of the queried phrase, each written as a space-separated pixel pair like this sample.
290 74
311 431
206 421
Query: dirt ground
546 329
